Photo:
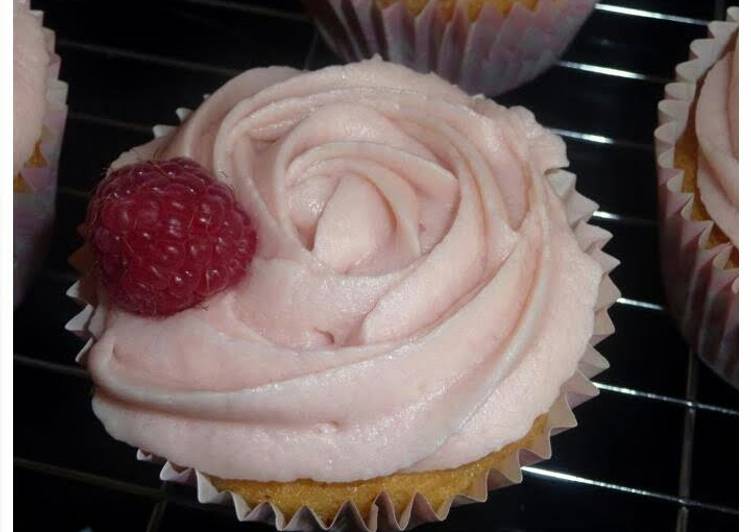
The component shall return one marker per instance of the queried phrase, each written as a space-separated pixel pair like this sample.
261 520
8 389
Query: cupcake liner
492 54
702 291
382 515
34 205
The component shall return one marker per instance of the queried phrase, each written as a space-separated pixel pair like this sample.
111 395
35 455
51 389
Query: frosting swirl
417 298
30 62
717 132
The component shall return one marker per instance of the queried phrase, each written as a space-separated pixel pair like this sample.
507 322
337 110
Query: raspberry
166 236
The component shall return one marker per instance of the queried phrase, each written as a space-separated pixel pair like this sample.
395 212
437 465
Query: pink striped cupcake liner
492 54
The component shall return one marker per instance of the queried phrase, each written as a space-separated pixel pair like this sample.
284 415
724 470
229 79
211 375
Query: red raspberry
166 236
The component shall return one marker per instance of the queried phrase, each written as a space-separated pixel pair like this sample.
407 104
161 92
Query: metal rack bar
687 443
170 62
683 501
643 13
193 66
88 478
249 8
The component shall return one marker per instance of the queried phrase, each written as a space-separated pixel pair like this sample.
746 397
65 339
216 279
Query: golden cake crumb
19 184
37 160
326 498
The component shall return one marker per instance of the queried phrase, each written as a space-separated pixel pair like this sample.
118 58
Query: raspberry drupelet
167 235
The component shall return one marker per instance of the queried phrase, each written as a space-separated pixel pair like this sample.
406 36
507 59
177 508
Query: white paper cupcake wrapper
34 210
490 55
702 293
382 515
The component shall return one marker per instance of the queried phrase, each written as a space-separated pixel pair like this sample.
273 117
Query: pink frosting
30 62
417 299
717 131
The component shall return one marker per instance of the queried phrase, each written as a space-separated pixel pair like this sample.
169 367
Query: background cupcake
485 46
39 113
697 154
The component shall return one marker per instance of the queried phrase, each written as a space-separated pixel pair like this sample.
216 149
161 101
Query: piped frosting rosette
39 113
700 270
425 286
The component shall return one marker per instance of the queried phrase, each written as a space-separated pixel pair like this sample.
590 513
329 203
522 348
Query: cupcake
697 155
347 297
484 46
39 112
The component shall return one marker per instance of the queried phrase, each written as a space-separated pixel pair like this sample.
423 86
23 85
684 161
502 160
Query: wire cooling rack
658 450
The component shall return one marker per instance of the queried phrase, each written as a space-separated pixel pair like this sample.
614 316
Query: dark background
658 450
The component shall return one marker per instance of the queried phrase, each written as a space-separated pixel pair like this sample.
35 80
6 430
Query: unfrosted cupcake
484 46
412 310
697 153
39 113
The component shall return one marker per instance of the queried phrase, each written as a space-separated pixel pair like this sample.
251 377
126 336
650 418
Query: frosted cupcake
485 46
39 113
355 295
697 152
